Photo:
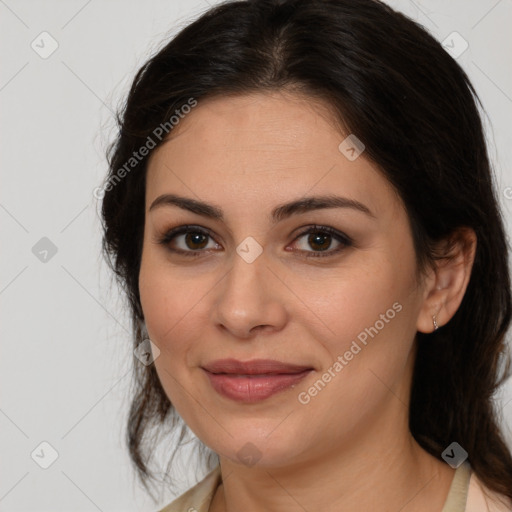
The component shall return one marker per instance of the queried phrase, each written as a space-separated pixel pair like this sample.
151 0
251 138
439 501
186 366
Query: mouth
254 367
253 381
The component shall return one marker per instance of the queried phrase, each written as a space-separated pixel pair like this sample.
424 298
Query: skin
349 448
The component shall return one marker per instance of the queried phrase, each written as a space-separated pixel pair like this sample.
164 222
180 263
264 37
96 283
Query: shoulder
482 499
199 497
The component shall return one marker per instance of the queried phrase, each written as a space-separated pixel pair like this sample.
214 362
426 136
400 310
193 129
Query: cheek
368 314
174 303
349 300
169 305
366 352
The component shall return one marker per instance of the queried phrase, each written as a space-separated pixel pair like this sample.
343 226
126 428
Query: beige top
466 494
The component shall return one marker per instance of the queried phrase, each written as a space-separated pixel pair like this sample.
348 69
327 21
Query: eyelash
340 237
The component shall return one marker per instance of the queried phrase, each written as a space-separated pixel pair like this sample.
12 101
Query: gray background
66 353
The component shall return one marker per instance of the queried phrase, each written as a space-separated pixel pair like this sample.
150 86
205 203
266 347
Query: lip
253 367
253 381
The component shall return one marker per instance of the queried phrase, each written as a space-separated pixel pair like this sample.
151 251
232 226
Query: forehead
266 123
263 148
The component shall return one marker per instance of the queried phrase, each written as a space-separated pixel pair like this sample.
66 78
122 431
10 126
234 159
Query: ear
445 285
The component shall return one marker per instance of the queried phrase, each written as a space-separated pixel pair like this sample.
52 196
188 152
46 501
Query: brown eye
320 239
320 242
195 240
187 240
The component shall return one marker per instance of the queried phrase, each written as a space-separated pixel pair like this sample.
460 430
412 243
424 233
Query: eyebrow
281 212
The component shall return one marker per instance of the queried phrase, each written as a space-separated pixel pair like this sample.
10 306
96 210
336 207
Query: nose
250 299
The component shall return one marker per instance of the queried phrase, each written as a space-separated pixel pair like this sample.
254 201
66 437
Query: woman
300 207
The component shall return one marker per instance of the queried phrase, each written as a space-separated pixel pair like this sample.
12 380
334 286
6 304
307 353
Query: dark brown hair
393 85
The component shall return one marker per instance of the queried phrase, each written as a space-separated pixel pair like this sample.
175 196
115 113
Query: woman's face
251 285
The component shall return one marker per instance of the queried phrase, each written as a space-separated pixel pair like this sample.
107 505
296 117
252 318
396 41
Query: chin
260 451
